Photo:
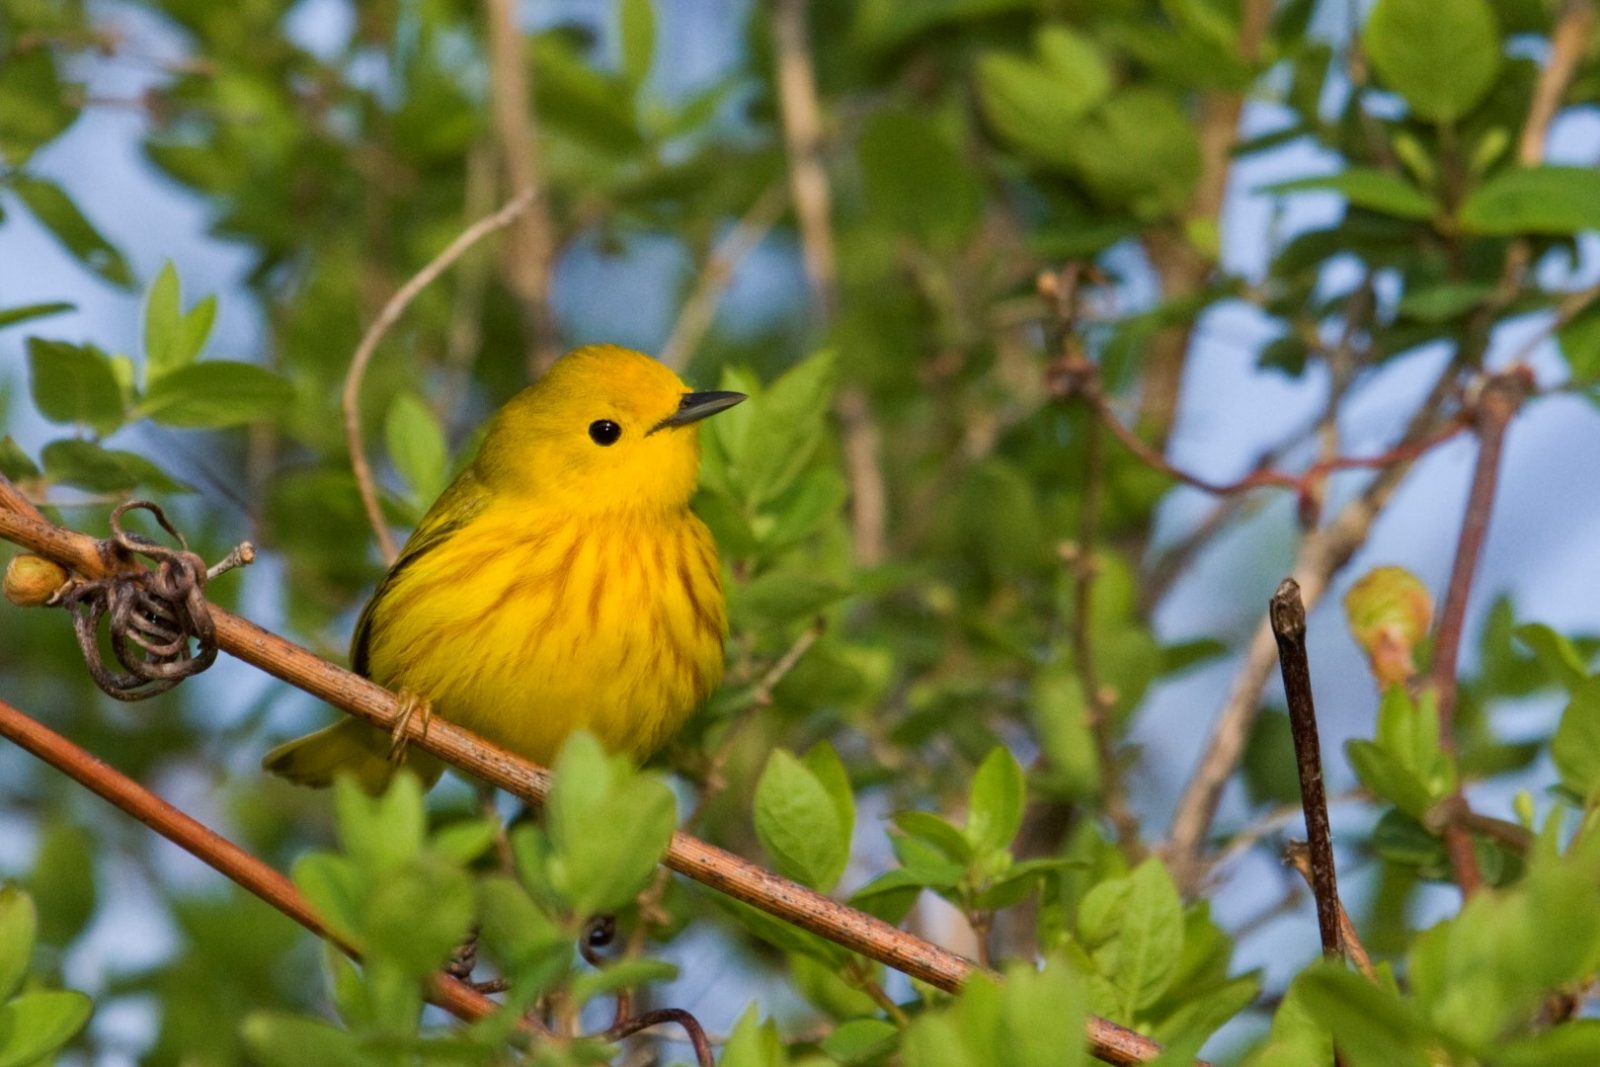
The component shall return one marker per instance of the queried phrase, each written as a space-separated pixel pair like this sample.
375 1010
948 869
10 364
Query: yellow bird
560 583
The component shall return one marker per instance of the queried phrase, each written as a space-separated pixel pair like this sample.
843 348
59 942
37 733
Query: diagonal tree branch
21 523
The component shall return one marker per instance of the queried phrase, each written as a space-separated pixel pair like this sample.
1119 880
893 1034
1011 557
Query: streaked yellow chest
524 627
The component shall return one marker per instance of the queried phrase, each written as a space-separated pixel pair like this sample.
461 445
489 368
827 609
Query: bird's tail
348 747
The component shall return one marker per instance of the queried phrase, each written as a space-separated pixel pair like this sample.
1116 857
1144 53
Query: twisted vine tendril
155 613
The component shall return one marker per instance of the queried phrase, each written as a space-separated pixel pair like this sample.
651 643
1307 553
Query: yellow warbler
560 583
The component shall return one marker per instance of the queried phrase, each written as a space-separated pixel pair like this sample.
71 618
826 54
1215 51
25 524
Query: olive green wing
457 506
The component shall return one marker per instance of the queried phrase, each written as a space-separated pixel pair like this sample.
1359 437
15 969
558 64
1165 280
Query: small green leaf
1387 777
1371 1026
382 833
215 394
600 872
522 935
926 826
753 1043
1036 103
19 922
1441 55
335 888
638 39
915 178
994 806
86 465
1549 200
1558 656
417 447
799 823
1042 1017
28 312
74 384
415 915
14 462
1580 345
464 841
288 1041
1576 747
61 217
36 1025
63 875
35 104
1376 190
623 974
1134 927
162 319
861 1041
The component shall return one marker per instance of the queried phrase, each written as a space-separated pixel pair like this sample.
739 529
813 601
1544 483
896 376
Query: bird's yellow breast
526 625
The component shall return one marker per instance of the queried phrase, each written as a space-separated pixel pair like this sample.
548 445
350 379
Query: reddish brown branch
206 845
711 866
1501 397
691 1027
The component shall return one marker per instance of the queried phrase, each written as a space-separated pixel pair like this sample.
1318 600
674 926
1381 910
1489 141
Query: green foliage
34 1023
908 520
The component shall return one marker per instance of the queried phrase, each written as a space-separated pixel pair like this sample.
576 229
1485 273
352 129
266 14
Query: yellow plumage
560 583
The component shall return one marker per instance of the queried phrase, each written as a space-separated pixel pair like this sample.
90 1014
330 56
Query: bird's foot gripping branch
376 876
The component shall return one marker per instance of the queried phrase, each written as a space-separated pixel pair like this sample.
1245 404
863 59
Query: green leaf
1376 190
791 419
1134 927
86 465
782 596
1442 302
600 872
415 915
417 447
1558 656
35 1025
623 974
464 841
215 394
1371 1026
823 761
926 826
14 462
1549 200
994 806
753 1043
638 39
1035 104
1387 777
1572 1044
35 104
381 833
525 939
335 888
66 223
1440 55
861 1041
799 823
28 312
74 384
1042 1017
1580 345
1576 747
287 1041
63 875
19 923
162 319
916 179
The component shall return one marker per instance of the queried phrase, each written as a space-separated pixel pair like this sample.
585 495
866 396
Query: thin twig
711 866
700 308
691 1026
206 845
530 254
808 183
1322 553
387 317
1500 400
1288 614
1298 855
1568 42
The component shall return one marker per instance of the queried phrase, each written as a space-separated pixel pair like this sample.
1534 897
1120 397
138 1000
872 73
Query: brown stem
691 1026
387 317
1568 41
530 254
205 845
1288 615
698 311
1297 855
706 864
1501 397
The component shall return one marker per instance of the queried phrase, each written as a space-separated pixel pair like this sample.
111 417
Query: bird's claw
410 704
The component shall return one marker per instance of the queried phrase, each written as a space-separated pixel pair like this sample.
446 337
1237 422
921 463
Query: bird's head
605 428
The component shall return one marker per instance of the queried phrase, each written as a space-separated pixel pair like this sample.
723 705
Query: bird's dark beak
696 406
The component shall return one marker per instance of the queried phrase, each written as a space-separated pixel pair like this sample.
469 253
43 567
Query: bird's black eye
604 432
